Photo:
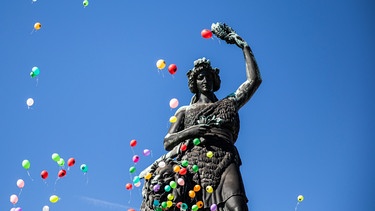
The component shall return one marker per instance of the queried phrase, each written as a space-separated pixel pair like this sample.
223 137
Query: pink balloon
14 199
135 158
20 183
181 181
146 152
173 103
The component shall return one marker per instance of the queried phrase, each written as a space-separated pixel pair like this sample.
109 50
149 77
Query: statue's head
200 65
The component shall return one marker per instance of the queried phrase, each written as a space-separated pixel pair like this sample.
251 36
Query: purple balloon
146 152
156 188
213 207
18 209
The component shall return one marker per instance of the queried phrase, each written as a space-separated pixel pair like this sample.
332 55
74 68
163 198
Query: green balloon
26 164
196 141
34 72
132 169
173 184
61 162
55 157
195 168
85 3
194 207
184 163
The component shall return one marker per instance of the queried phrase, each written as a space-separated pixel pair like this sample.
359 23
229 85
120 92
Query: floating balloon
197 188
184 206
37 26
195 168
34 72
20 183
173 103
18 209
183 147
156 188
213 207
133 143
156 202
196 141
30 102
209 189
146 152
182 171
160 64
181 181
45 208
54 198
199 204
132 169
191 194
170 197
173 184
44 174
148 176
137 184
26 164
184 163
84 168
169 203
128 186
161 164
71 162
131 209
300 198
14 199
209 154
135 158
206 33
62 173
85 3
172 69
173 119
55 157
61 162
136 179
167 188
194 207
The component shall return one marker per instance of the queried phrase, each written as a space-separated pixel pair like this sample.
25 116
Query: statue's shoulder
182 109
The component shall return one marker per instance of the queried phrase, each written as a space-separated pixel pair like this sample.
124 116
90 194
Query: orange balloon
37 26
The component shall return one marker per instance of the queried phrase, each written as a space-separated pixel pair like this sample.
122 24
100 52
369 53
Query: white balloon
30 102
46 208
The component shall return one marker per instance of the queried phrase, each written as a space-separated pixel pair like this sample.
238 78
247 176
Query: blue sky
308 130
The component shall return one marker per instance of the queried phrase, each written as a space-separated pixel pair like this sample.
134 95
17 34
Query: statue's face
205 82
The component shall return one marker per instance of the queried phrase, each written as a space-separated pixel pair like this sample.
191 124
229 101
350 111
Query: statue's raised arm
253 80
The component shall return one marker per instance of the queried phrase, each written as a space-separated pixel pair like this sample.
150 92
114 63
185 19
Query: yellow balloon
210 154
209 189
173 119
37 26
300 198
53 198
169 204
160 64
148 175
176 168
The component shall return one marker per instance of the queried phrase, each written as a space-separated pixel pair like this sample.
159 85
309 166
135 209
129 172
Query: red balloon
172 69
182 171
44 174
183 147
133 143
131 209
206 33
71 162
62 173
129 186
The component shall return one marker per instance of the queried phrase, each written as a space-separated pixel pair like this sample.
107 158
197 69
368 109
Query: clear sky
309 129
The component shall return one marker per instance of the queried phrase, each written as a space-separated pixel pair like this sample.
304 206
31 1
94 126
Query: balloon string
19 194
130 197
28 173
295 209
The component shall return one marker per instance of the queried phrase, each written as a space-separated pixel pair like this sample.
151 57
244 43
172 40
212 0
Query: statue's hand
197 130
225 32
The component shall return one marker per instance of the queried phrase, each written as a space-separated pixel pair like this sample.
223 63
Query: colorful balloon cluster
26 164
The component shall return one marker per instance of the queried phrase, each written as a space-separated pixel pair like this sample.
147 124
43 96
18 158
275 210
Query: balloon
172 69
194 207
135 158
146 152
156 188
195 168
37 26
34 72
85 3
84 168
148 175
55 157
199 204
128 186
161 164
210 154
169 203
26 164
181 181
173 184
206 33
184 163
136 179
45 208
184 206
178 205
61 162
133 143
176 168
196 141
132 169
30 102
62 173
170 197
173 103
191 194
197 188
173 119
209 189
18 209
182 171
213 207
44 174
13 209
183 147
14 199
20 183
71 162
156 202
300 198
167 188
160 64
54 198
131 209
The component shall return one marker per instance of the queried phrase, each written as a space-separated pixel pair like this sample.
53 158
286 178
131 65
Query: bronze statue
201 142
